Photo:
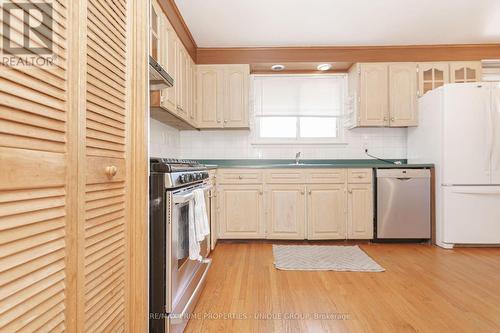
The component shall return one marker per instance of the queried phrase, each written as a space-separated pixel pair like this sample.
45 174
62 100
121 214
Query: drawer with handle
326 176
360 176
239 176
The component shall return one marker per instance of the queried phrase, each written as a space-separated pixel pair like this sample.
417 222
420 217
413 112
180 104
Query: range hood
158 76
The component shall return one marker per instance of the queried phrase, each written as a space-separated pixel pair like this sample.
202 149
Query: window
299 109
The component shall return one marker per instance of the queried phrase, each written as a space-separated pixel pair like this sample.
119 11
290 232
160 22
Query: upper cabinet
463 72
373 92
403 92
222 96
174 106
385 94
382 94
432 75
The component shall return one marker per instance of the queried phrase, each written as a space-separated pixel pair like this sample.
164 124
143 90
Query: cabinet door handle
218 120
302 192
350 191
240 177
392 119
225 121
310 192
111 171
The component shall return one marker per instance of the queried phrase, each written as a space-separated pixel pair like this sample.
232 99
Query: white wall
164 140
236 144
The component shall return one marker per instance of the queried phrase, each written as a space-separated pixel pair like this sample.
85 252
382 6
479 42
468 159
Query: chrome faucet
297 158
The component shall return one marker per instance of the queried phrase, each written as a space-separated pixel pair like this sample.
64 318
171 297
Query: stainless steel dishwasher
403 204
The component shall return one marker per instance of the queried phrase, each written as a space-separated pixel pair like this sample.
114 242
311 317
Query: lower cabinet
360 211
326 211
285 211
240 211
340 208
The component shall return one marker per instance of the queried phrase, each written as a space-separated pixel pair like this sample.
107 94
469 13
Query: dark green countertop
277 163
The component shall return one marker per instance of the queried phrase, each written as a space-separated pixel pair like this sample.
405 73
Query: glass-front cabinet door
463 72
432 75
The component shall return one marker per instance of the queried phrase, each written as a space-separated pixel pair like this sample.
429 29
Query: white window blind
299 95
299 108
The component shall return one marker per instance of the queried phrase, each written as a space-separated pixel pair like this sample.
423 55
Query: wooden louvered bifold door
34 220
104 268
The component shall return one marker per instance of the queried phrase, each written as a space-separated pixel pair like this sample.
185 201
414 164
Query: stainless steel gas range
175 281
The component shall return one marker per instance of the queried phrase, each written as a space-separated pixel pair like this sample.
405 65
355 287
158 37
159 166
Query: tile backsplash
167 141
164 140
235 144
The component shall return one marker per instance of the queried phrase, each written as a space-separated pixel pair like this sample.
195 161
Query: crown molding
250 55
253 55
174 16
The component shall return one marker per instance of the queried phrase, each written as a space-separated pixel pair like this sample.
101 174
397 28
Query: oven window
183 234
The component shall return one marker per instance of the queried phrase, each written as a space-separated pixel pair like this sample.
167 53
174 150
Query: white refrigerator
459 131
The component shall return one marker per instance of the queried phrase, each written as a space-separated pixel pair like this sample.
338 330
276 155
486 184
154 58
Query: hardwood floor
424 289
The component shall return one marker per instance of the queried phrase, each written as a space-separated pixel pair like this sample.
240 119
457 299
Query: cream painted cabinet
222 96
373 94
240 211
432 75
403 93
168 49
236 90
214 209
464 72
181 85
175 105
209 96
360 211
382 94
326 211
285 211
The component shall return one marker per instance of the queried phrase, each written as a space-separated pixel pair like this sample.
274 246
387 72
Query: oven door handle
190 196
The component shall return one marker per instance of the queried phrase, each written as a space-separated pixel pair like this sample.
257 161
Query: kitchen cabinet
175 105
241 212
209 96
382 94
222 96
373 93
297 203
285 211
403 93
360 211
432 75
464 72
326 211
214 209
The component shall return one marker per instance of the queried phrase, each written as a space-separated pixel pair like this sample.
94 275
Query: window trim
338 140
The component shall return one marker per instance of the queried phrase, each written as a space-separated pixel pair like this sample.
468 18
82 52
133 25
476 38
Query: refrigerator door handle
483 191
490 137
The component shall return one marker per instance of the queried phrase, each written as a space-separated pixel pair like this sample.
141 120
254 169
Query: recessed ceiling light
277 67
324 67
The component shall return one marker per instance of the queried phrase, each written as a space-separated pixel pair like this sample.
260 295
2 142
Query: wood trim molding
137 169
252 55
174 16
455 52
299 72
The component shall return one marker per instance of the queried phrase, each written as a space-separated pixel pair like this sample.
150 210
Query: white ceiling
239 23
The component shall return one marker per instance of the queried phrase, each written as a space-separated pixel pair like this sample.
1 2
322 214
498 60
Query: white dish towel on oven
198 224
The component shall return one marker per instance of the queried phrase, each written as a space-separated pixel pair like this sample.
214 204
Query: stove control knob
182 179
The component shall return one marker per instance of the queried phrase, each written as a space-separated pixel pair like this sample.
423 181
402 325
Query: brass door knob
111 171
